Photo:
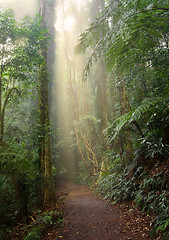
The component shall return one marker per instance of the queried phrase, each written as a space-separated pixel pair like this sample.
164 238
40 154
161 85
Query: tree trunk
47 184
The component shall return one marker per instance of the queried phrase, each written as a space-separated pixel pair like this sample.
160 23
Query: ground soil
91 218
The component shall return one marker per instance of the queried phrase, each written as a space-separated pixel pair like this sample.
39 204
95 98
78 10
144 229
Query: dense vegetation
131 39
24 125
116 129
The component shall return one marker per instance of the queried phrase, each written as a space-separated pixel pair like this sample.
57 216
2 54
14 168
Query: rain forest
84 119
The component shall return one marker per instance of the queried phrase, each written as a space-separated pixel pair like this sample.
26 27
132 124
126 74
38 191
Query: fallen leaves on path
91 218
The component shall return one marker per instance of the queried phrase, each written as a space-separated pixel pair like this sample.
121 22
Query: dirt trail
90 218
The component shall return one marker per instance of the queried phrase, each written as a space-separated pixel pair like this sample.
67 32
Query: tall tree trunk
47 184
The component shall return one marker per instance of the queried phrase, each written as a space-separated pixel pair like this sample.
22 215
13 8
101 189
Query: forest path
90 218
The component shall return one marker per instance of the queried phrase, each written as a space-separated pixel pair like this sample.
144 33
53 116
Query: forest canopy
132 38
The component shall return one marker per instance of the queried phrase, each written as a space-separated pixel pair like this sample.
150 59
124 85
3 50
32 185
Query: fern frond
134 115
144 107
121 122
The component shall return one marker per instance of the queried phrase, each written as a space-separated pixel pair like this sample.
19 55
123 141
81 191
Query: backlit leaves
129 30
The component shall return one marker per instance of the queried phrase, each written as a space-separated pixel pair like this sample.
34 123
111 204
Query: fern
118 124
148 106
143 108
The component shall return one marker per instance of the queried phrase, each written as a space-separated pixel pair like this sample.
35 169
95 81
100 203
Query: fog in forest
84 101
21 8
71 20
66 20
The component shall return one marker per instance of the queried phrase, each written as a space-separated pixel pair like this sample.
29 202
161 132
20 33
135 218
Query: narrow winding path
90 218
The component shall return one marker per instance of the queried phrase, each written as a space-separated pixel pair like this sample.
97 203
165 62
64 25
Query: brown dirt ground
90 218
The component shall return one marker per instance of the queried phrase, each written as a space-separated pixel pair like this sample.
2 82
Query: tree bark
47 182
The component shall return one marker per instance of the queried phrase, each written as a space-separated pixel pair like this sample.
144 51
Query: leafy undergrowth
41 222
147 188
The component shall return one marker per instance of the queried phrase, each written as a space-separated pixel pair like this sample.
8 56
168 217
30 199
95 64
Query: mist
84 101
71 19
21 8
75 109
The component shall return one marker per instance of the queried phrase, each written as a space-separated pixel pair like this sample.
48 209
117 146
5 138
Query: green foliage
8 26
117 186
7 203
87 121
19 168
129 30
161 224
116 126
19 182
131 37
20 49
34 235
154 113
133 42
38 227
152 196
156 140
43 221
20 58
149 193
